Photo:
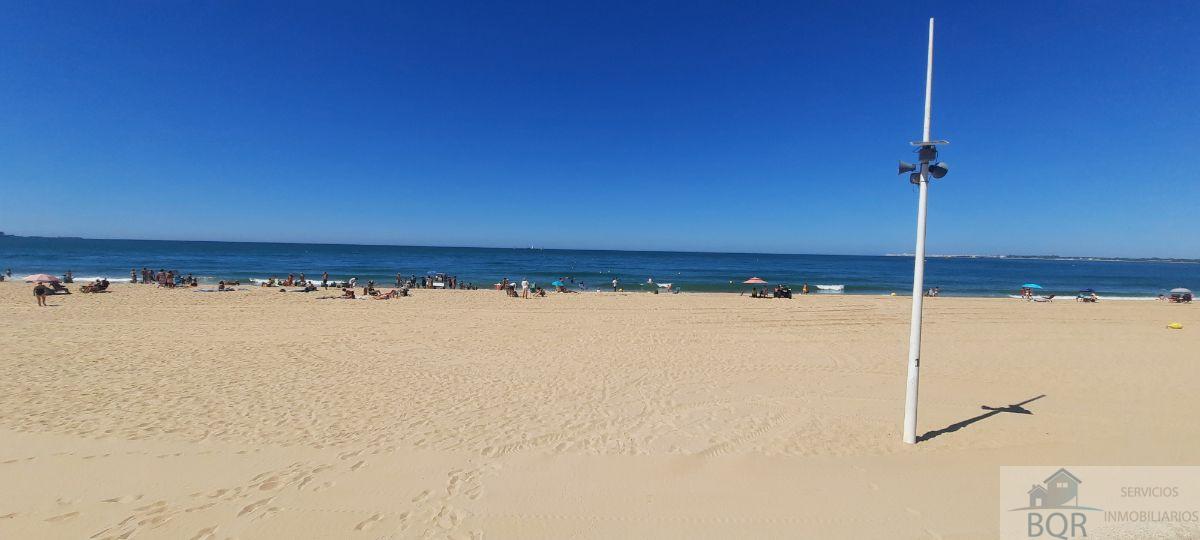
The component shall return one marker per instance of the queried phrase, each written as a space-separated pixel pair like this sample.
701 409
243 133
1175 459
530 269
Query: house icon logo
1058 492
1054 508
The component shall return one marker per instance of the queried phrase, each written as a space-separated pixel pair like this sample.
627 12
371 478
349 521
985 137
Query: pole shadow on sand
1017 408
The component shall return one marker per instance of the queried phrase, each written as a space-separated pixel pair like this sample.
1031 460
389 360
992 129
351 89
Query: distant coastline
1057 258
530 248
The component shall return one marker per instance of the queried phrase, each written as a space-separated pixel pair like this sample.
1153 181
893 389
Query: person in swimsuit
40 291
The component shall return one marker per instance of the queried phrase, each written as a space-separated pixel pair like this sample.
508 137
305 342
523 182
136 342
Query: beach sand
258 414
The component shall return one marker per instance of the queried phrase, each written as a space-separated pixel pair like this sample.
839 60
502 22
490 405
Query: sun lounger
1043 298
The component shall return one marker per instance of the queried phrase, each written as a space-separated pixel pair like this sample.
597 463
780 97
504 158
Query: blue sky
775 127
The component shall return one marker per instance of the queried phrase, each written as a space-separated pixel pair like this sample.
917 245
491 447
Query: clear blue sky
687 126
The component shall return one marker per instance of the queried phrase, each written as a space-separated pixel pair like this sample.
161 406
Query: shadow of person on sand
1017 408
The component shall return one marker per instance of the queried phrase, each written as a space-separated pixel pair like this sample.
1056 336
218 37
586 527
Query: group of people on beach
780 291
521 290
163 278
439 281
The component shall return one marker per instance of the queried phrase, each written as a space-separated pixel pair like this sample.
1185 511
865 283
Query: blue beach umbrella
557 283
1031 286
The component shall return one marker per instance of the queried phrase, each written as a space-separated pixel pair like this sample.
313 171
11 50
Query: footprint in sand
62 517
205 506
255 506
206 534
154 504
124 499
421 497
368 523
447 518
358 465
324 486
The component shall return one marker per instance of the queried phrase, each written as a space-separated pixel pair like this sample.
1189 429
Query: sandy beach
155 413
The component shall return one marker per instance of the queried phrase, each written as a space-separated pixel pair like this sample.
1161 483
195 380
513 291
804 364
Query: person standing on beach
133 275
525 288
40 291
324 280
398 280
614 284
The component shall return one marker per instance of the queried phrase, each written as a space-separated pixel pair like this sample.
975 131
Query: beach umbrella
41 278
557 283
1180 290
755 281
1031 286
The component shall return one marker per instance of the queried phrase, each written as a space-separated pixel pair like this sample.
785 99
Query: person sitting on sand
348 293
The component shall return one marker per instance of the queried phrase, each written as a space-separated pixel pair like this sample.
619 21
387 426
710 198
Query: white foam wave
79 279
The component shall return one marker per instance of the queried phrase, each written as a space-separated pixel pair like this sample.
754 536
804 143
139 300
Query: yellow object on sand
1175 326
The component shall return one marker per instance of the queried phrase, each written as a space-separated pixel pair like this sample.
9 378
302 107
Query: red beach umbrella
41 278
755 281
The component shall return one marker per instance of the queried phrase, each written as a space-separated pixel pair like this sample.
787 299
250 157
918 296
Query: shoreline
165 413
1059 297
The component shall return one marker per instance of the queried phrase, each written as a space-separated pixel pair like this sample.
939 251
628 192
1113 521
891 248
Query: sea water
589 269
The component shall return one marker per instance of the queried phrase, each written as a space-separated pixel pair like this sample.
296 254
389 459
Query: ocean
589 269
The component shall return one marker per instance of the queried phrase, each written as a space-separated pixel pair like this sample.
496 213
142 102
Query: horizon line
533 248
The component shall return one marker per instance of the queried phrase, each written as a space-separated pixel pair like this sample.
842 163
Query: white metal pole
914 336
